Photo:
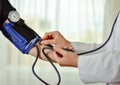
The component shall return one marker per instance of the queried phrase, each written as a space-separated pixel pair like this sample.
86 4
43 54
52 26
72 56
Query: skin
58 55
33 52
57 39
62 57
65 58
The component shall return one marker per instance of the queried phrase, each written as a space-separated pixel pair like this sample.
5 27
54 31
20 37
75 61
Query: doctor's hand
65 58
57 39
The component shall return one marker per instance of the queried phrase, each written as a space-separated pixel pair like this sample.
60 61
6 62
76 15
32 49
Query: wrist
75 63
34 51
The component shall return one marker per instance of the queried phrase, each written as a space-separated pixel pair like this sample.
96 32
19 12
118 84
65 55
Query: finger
59 50
71 48
47 42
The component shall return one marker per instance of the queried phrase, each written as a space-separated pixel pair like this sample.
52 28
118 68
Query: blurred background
78 20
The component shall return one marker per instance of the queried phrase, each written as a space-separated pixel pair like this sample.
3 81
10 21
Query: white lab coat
103 65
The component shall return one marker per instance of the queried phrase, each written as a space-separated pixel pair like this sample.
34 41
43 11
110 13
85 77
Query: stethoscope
59 77
111 32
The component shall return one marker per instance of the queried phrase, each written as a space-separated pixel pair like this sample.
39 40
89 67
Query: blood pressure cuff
22 36
5 8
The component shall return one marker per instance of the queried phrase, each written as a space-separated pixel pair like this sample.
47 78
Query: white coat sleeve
100 66
84 47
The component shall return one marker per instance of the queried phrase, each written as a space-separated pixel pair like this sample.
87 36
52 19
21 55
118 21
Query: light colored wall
112 7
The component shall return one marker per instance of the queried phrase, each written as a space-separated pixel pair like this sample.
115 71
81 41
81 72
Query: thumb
59 50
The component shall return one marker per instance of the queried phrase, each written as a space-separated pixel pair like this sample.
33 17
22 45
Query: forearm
48 52
33 52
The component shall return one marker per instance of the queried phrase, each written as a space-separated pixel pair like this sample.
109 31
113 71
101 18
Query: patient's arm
49 53
33 51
